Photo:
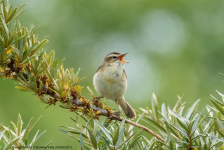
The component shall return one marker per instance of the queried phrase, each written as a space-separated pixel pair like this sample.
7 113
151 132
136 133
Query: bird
110 82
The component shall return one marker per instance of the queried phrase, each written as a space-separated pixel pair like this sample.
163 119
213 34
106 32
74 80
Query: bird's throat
113 73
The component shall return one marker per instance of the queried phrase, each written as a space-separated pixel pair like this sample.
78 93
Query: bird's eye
114 57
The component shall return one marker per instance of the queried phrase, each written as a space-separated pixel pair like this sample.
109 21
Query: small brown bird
110 81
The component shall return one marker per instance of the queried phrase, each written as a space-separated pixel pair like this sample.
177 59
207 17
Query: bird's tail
128 110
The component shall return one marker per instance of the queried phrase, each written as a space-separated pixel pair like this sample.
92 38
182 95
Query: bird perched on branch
110 81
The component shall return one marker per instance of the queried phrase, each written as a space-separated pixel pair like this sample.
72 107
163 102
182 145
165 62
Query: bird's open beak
121 58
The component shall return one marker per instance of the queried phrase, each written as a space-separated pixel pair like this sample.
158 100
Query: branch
111 116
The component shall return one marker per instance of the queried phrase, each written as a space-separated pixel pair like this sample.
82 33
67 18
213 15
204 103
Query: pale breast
112 87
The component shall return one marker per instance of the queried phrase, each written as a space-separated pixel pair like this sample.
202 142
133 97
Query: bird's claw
99 97
118 113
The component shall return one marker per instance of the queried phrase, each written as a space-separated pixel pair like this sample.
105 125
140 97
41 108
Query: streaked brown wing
98 69
124 73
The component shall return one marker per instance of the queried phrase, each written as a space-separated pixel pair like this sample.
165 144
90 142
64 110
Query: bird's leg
118 113
99 97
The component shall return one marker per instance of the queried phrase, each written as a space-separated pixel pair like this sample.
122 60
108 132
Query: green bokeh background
175 48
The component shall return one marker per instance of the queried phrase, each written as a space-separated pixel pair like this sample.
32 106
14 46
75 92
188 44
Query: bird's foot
99 97
97 102
118 113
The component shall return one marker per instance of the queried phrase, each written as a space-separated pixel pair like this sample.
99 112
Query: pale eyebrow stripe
113 55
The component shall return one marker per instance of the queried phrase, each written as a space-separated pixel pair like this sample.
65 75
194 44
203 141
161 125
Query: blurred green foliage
175 47
17 138
189 129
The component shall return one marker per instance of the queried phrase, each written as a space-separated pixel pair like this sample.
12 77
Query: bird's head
115 57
